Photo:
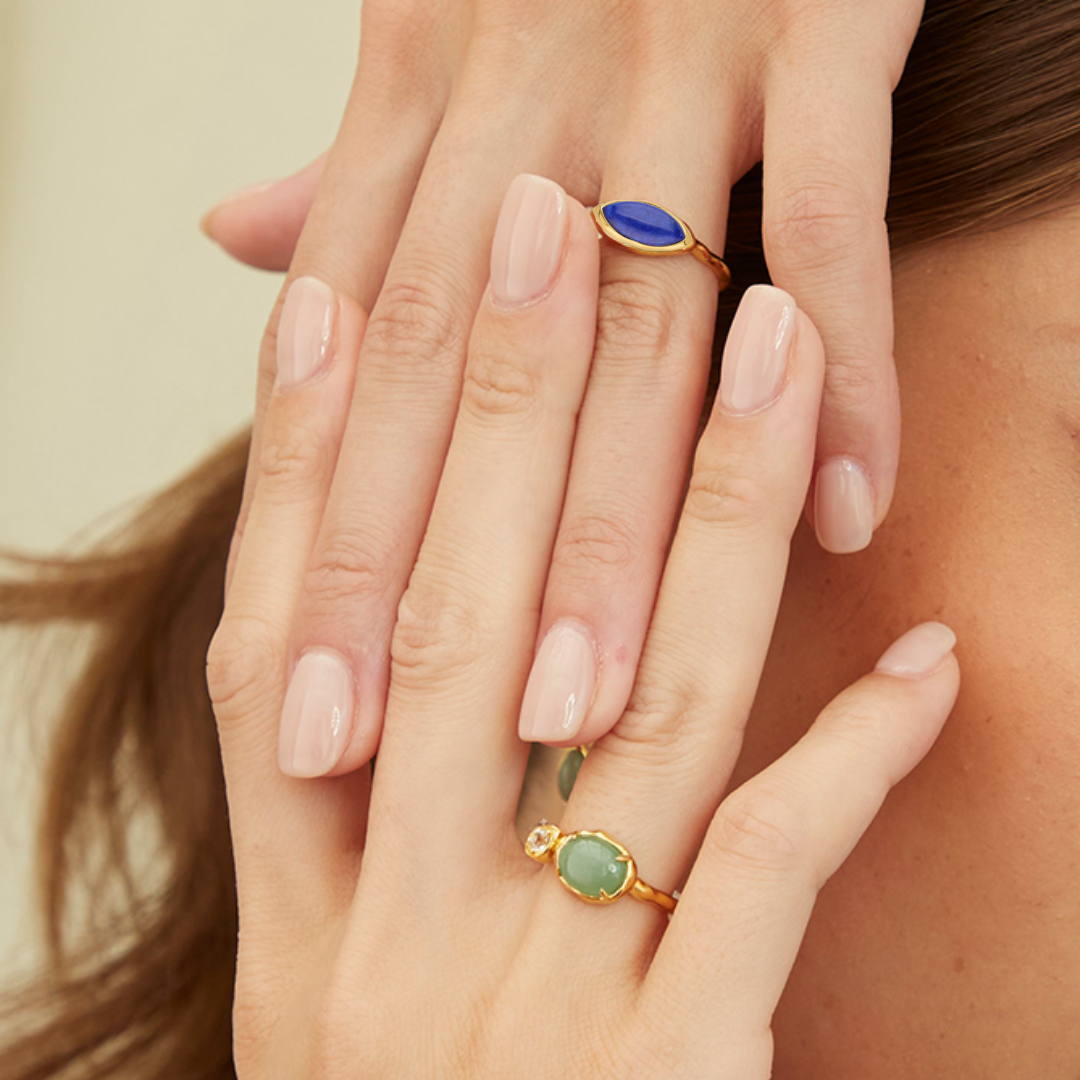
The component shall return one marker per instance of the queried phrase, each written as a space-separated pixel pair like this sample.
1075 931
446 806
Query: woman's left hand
446 952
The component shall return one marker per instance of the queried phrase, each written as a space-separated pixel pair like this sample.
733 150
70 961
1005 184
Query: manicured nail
305 331
206 223
529 238
560 686
317 716
756 350
843 506
919 652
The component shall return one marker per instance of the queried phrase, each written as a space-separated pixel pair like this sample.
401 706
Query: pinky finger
280 830
776 840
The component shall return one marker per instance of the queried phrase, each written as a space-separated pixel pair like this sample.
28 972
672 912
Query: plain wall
127 341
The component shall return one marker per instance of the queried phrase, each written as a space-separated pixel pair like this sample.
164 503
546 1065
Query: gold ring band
592 866
649 229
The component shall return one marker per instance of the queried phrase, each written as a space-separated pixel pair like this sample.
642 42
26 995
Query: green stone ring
592 866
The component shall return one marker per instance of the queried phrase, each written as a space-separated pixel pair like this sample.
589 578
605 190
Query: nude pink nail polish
843 506
756 350
317 714
529 239
919 652
561 684
305 331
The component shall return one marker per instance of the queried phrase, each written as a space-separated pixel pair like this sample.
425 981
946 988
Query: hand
638 100
447 952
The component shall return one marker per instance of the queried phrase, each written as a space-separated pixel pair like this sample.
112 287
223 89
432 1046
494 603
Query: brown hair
134 830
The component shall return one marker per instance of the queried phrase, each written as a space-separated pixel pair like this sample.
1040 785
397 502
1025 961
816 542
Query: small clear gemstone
540 839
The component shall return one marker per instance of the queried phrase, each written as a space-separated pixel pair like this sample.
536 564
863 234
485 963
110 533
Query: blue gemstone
645 223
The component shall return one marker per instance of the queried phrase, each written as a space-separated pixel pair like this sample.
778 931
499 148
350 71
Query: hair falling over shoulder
145 988
134 826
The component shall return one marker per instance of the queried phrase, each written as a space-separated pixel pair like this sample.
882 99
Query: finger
825 185
634 444
261 224
654 782
402 414
351 229
467 621
288 837
776 840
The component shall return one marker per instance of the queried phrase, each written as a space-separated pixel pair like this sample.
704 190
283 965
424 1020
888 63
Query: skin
451 99
422 941
949 942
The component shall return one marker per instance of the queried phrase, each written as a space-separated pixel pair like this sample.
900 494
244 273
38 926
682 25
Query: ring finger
654 782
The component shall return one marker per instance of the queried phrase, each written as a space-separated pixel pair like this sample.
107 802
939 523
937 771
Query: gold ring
592 866
649 229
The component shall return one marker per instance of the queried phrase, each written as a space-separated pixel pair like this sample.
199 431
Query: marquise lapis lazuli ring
649 229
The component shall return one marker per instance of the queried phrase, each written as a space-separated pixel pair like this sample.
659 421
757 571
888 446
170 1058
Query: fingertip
260 224
922 667
844 506
919 652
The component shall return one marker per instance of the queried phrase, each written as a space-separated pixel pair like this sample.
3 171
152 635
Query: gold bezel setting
624 856
609 230
545 842
689 242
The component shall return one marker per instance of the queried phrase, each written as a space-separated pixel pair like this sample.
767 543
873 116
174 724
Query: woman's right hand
447 952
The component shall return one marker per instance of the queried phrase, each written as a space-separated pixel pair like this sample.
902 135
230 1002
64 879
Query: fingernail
206 222
529 237
560 686
919 652
305 331
317 716
843 506
756 350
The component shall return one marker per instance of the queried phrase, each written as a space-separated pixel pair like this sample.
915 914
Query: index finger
826 156
775 841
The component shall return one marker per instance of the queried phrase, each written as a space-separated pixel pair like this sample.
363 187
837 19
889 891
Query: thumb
260 224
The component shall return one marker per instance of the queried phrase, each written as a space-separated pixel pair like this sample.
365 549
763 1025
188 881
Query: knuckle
293 453
724 492
244 662
347 566
853 383
635 319
759 833
818 220
666 717
595 541
499 384
414 322
438 637
856 725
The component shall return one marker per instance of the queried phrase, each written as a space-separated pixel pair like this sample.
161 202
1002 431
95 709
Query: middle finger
655 781
468 617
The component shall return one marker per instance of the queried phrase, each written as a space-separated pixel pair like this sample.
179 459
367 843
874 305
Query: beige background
127 341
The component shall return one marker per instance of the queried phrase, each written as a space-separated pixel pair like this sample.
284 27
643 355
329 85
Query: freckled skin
948 946
949 943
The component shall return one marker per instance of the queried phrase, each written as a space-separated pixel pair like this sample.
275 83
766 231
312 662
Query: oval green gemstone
591 865
568 770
